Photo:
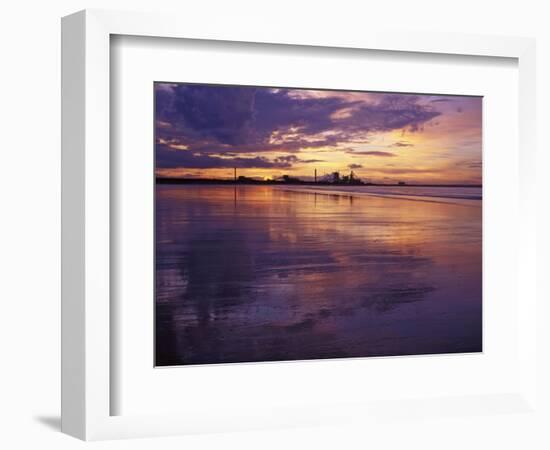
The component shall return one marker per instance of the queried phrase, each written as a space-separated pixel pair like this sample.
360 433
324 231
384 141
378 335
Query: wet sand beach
260 273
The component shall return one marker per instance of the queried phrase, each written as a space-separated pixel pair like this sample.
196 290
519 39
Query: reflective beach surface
261 273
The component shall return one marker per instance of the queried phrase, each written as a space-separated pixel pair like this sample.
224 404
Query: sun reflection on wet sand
256 273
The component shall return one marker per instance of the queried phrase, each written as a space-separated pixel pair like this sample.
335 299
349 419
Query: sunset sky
204 131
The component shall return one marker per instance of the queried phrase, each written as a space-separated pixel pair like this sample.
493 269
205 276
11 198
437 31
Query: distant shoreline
208 181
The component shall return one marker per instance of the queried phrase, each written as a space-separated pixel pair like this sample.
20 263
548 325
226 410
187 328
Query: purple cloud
212 120
373 153
168 158
401 144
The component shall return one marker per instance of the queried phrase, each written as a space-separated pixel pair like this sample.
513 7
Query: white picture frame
86 284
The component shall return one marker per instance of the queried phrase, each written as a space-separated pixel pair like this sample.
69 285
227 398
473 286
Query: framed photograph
297 224
263 228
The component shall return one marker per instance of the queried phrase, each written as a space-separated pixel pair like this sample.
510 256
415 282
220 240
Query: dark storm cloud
168 158
224 115
240 120
392 112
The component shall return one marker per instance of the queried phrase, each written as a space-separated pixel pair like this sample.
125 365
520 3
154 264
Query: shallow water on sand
257 273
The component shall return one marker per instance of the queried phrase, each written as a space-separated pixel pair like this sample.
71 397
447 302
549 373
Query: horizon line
251 180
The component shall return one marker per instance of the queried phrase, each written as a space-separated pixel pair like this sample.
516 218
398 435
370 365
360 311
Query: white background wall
29 225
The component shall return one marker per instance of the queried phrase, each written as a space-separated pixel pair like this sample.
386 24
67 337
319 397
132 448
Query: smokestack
235 174
315 175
